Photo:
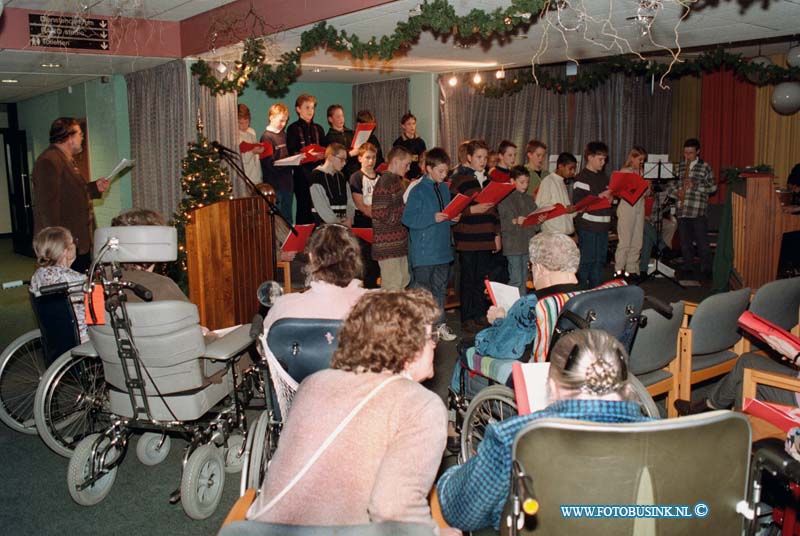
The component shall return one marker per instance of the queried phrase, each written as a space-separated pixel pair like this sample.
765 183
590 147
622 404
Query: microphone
222 149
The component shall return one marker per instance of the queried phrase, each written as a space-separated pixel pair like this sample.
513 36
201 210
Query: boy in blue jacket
430 249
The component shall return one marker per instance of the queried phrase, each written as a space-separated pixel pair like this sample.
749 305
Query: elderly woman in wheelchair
146 370
588 380
366 421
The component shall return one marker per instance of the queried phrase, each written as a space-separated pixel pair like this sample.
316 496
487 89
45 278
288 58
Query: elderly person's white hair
554 251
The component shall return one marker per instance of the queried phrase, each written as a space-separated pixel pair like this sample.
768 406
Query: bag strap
325 444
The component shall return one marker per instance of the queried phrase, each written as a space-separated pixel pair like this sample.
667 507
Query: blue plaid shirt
472 495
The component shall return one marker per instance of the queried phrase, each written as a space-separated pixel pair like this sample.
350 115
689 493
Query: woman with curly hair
334 269
364 439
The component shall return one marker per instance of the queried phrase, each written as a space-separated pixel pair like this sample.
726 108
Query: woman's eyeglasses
434 336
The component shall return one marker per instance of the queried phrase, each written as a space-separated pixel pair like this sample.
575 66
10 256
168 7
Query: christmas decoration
204 182
476 27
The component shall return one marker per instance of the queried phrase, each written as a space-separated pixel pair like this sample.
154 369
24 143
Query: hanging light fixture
501 74
453 81
477 79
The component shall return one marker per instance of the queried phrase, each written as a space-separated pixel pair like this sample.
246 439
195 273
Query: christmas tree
205 182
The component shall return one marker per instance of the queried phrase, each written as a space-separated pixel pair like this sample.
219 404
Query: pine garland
477 26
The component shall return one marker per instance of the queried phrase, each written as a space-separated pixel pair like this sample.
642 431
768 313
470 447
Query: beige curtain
686 98
157 108
532 113
777 137
387 101
218 113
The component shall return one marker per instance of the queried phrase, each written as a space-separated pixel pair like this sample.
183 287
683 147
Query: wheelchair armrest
240 507
85 349
230 345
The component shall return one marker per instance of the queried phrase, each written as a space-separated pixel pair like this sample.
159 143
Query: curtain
532 113
776 135
387 101
726 123
218 113
686 93
622 112
157 108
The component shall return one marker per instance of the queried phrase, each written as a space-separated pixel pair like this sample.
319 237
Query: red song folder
364 233
784 417
362 134
245 146
758 326
592 202
494 192
297 242
313 153
457 205
542 214
628 186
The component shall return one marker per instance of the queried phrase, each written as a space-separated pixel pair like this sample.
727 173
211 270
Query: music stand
653 172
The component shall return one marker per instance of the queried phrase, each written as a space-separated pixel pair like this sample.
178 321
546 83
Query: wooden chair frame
686 375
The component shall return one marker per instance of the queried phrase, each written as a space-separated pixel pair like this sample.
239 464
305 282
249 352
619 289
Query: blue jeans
434 278
648 241
518 272
594 251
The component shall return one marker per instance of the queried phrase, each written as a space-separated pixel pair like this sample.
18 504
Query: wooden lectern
758 227
229 254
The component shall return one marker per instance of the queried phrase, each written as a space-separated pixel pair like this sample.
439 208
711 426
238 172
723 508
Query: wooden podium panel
758 227
229 254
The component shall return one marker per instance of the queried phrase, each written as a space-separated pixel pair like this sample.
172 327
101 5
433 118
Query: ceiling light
477 79
453 81
221 67
51 65
316 70
9 81
500 75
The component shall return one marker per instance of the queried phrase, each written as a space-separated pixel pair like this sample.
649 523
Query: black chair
57 323
304 345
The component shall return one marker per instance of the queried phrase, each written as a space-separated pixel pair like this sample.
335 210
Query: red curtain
727 119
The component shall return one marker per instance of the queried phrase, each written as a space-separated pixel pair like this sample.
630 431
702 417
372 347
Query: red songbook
592 202
759 327
494 192
364 233
784 417
383 167
542 214
628 186
362 134
297 242
457 205
313 153
245 147
498 175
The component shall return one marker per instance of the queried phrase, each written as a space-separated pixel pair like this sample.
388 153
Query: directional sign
68 32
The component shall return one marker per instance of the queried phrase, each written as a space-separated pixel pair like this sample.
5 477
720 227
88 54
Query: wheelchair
150 373
616 310
292 349
25 359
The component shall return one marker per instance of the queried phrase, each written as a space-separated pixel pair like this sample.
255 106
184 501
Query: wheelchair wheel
80 468
71 402
234 453
492 404
262 446
22 364
641 395
150 450
202 481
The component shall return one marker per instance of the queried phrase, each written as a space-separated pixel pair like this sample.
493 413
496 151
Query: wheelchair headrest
304 345
138 243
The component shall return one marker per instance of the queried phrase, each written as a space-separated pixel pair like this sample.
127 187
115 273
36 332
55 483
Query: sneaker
445 333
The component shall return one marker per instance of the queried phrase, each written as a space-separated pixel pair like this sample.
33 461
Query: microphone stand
234 160
657 189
